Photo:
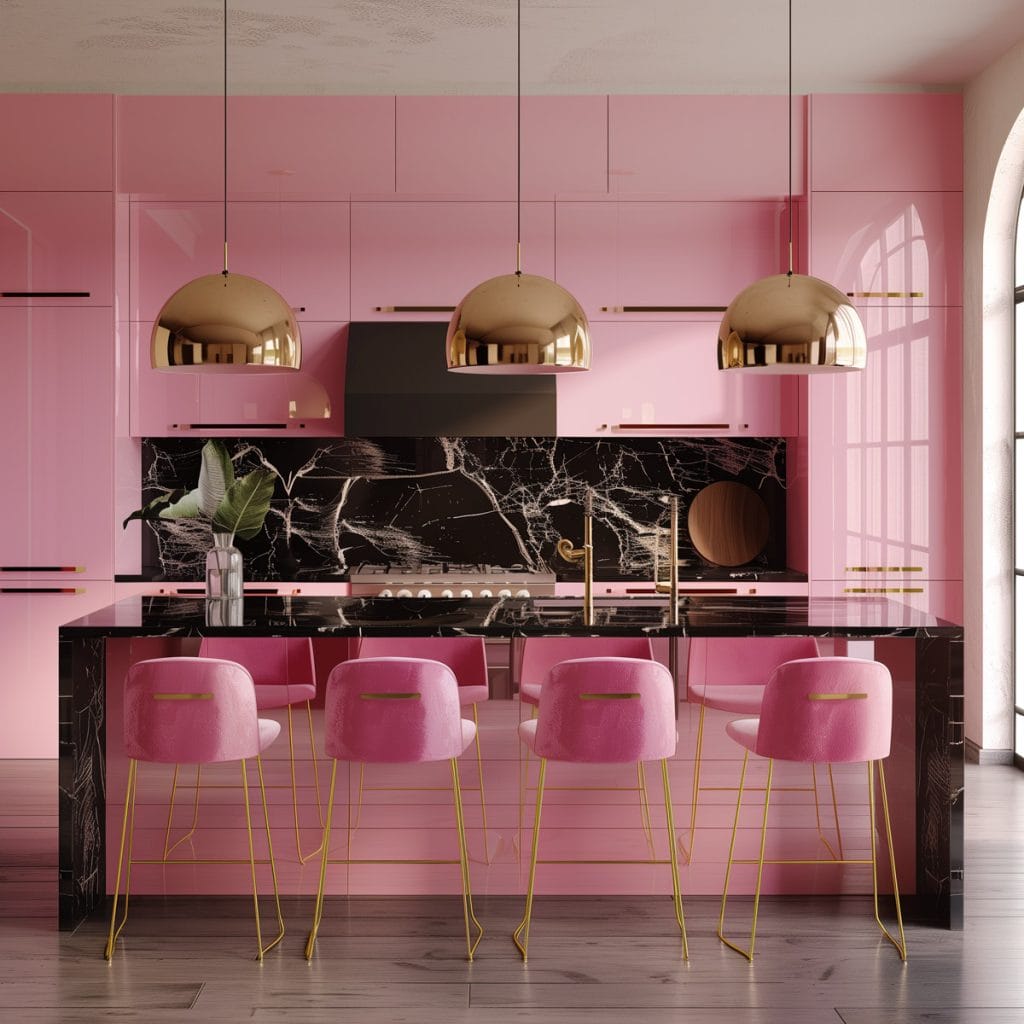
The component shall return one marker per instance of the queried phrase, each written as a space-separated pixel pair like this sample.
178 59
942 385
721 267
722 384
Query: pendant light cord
789 90
225 120
519 137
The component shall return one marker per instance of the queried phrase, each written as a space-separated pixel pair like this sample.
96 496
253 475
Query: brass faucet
570 553
672 586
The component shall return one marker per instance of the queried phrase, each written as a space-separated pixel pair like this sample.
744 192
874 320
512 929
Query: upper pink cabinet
416 260
299 248
651 379
890 248
466 145
287 147
56 248
887 141
57 142
704 147
658 260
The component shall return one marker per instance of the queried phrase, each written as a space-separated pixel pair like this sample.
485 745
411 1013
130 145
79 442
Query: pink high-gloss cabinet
56 248
425 255
890 248
57 142
616 255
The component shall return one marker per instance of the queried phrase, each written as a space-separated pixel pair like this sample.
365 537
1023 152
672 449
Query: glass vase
223 568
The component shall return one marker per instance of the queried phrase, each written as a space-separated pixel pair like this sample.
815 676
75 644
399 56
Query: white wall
993 177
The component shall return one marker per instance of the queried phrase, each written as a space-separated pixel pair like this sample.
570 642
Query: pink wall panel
886 141
57 142
708 147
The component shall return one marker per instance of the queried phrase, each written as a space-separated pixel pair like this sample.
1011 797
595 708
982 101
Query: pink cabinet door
887 141
656 378
316 147
885 454
701 146
169 404
416 260
62 450
943 598
466 145
29 625
57 142
890 248
300 249
56 248
682 259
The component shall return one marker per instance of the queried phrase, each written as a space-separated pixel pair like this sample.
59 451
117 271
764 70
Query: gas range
450 581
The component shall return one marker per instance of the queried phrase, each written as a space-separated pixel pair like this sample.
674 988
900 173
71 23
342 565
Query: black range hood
397 385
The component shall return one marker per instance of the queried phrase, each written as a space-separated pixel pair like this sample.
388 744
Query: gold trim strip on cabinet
389 696
883 590
182 696
414 309
663 309
837 696
42 568
885 295
884 568
609 696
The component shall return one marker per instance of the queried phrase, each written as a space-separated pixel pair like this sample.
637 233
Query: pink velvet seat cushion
281 667
541 654
192 711
394 711
466 656
604 711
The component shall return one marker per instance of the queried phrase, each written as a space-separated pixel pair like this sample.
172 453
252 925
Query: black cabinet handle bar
42 568
45 295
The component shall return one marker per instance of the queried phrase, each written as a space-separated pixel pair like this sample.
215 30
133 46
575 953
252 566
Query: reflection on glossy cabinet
169 404
885 454
890 248
466 145
615 256
943 598
886 141
59 374
322 147
701 146
28 637
56 248
426 256
57 142
300 249
648 379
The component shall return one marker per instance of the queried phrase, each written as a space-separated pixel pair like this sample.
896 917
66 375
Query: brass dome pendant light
518 323
226 322
791 323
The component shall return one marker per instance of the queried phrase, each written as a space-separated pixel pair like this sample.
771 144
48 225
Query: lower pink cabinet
648 379
57 458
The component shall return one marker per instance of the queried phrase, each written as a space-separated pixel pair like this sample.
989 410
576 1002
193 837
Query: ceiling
468 46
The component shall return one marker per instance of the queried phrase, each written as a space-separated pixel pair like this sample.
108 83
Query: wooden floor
594 961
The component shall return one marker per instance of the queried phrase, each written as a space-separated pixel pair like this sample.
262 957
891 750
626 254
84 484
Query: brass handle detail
182 696
837 696
414 309
609 696
883 590
884 568
885 295
663 309
389 696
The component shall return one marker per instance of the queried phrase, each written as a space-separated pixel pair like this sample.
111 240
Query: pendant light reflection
791 323
226 322
518 323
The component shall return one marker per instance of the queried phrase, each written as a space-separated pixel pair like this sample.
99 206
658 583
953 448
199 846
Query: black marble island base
937 678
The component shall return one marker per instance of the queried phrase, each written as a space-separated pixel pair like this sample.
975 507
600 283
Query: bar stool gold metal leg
677 897
303 857
835 812
480 782
169 847
901 943
260 948
521 936
270 857
318 906
687 850
127 829
467 892
645 807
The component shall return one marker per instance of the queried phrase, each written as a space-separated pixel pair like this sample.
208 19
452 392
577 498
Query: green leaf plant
233 507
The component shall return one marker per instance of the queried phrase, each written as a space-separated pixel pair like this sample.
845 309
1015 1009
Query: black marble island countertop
507 617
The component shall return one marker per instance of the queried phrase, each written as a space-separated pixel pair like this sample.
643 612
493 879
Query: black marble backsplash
349 504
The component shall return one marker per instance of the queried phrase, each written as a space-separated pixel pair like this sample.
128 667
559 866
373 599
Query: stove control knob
522 593
486 593
447 593
424 593
385 593
504 593
404 593
465 593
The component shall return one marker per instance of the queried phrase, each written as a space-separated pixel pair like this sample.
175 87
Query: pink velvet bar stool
466 656
603 711
824 710
729 674
396 711
284 673
192 711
